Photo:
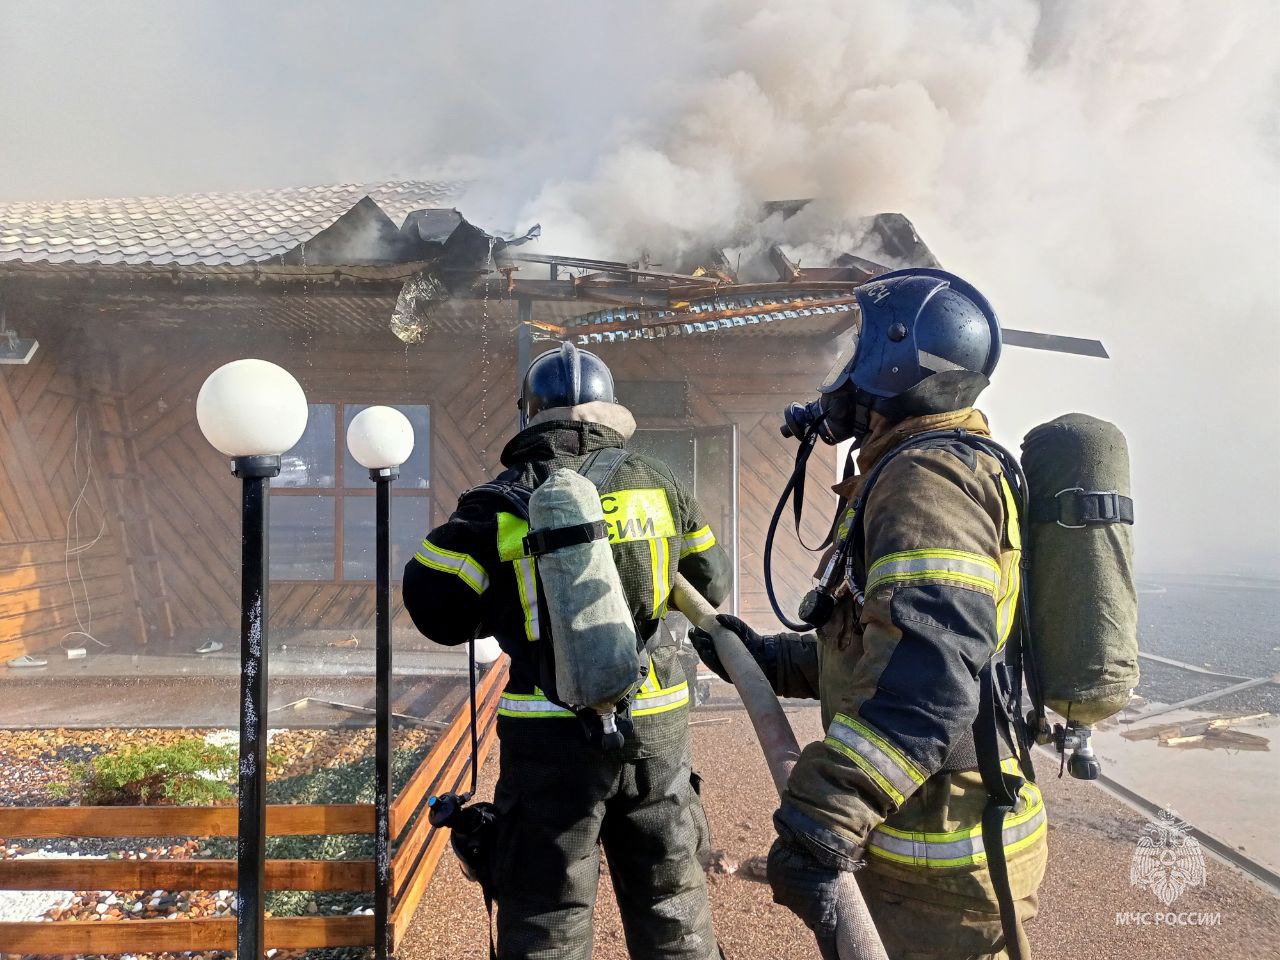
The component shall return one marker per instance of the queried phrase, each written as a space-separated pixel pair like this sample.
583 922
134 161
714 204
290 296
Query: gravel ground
1092 841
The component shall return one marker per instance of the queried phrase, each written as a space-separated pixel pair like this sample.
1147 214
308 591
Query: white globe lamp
251 408
380 438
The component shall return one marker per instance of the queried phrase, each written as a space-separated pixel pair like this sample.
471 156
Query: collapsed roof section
398 236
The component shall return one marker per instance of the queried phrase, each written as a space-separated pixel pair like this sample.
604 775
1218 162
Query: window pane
410 517
415 473
302 538
311 463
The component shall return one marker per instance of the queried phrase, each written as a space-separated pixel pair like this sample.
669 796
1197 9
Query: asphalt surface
1092 841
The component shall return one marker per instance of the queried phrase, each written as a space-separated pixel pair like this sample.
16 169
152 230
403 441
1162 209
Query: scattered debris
719 862
1212 733
348 644
694 723
754 868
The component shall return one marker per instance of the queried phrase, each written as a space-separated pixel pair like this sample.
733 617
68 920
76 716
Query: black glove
763 649
808 888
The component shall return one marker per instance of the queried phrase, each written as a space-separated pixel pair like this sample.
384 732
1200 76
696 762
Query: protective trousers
560 801
933 925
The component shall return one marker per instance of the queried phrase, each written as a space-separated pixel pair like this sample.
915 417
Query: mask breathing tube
807 423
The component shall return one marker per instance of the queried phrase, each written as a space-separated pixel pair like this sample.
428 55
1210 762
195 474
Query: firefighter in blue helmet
561 795
907 657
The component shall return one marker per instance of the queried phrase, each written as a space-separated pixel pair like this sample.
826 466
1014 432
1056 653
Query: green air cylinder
1083 602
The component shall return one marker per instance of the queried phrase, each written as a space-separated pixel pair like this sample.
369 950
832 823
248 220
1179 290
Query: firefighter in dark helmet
912 635
561 793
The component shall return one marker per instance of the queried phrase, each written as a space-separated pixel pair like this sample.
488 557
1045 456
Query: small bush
189 772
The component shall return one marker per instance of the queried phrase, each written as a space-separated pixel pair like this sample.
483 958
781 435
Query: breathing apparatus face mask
842 411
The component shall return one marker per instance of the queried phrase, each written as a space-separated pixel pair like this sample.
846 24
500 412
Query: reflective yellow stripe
1012 528
527 585
460 565
956 566
637 515
960 847
533 706
511 533
660 562
662 700
701 539
1007 604
650 700
884 763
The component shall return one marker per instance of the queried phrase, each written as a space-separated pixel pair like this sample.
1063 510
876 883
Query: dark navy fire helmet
926 342
563 377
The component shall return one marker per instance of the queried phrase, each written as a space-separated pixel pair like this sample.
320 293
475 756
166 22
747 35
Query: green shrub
189 772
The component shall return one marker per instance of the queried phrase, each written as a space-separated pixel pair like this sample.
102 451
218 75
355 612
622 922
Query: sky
1098 169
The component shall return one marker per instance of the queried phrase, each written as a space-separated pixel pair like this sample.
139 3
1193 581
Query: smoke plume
1100 169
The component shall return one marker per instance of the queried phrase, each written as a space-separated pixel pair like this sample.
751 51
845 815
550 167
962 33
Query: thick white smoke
1098 168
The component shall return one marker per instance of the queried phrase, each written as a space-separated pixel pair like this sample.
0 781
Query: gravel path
1091 844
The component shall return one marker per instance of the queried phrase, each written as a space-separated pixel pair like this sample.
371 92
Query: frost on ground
34 904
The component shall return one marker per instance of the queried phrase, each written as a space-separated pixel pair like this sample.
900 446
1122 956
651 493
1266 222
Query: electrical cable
85 623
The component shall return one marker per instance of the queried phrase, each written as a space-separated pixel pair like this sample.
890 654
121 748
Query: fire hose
856 935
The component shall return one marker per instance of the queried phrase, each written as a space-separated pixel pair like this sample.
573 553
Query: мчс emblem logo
1167 859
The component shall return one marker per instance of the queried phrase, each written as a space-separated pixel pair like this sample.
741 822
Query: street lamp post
381 439
252 411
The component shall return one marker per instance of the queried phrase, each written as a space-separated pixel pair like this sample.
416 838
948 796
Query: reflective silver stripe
515 704
960 566
893 772
697 541
527 583
664 700
966 848
458 564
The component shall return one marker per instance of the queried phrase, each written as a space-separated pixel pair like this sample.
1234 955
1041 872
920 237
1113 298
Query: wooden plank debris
1211 733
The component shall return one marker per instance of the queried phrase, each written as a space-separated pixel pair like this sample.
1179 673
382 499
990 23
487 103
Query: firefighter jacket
472 576
895 776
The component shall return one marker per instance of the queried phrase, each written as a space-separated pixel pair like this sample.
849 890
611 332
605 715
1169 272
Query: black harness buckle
1078 508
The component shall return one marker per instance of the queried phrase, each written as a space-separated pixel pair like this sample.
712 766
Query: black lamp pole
256 474
382 479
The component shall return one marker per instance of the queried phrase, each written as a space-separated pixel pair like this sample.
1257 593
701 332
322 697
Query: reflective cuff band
460 565
530 705
896 775
961 847
955 566
701 539
660 701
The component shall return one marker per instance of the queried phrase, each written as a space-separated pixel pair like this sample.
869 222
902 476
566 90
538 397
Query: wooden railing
447 767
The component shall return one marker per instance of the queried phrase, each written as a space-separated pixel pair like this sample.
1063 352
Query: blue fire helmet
927 342
563 377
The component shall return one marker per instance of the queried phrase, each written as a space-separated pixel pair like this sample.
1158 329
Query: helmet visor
846 346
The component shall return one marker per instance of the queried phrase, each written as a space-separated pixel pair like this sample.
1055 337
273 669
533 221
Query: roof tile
221 228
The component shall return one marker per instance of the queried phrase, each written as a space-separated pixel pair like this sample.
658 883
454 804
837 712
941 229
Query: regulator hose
794 490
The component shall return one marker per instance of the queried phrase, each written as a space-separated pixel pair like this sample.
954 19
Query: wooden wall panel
49 443
143 411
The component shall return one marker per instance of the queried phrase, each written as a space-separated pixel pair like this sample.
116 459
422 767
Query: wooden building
118 522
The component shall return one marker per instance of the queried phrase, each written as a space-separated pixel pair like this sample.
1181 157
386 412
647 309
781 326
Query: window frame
339 492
